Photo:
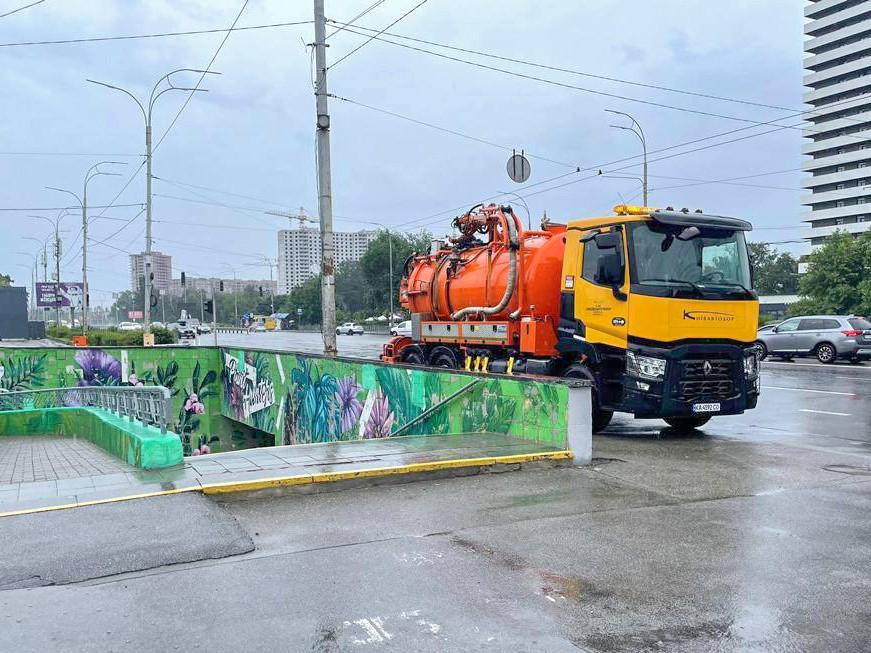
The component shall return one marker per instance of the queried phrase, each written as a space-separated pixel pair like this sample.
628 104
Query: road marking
822 412
825 392
857 368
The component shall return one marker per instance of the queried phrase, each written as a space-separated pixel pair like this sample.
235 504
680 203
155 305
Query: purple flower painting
380 419
350 407
194 405
98 367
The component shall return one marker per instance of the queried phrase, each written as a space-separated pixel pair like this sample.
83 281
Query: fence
151 405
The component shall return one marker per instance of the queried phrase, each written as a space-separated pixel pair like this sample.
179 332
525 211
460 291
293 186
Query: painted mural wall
302 399
190 374
226 399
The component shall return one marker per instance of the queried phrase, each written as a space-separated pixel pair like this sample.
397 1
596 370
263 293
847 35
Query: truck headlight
648 367
751 365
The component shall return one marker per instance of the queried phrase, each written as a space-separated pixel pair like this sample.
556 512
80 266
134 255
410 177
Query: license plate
706 408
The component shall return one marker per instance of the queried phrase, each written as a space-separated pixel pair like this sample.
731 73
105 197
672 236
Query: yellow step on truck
654 306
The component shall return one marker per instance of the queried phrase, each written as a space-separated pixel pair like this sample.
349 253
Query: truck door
601 300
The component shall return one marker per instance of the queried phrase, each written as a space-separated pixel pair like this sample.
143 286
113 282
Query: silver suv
828 337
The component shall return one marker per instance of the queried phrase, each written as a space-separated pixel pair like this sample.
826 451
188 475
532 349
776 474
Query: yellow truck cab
657 308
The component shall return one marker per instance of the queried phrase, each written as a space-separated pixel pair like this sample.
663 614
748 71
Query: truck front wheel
686 424
600 418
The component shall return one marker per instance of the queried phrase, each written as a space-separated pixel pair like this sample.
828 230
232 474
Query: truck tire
413 355
600 418
443 357
686 424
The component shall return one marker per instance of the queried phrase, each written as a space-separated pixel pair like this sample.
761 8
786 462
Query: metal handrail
150 405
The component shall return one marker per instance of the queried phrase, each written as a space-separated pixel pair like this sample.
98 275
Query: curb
254 485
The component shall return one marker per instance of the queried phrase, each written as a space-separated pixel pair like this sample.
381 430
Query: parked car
203 328
401 329
349 329
158 325
129 326
827 337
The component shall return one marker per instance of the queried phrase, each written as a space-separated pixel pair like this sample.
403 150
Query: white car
349 329
129 326
401 329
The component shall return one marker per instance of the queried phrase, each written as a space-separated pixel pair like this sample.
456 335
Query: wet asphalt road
750 535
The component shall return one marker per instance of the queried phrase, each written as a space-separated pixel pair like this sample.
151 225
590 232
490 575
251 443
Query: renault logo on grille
707 368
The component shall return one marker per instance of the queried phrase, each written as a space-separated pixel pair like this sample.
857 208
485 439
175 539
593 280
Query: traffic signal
221 286
183 280
208 305
261 290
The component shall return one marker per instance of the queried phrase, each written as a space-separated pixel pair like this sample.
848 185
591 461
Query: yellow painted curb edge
307 479
332 477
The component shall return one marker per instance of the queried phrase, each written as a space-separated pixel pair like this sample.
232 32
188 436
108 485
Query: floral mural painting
380 419
248 389
350 407
191 409
314 404
98 367
22 373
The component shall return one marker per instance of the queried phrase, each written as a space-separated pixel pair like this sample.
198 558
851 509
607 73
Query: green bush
113 337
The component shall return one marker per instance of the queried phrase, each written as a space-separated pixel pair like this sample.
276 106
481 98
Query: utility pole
640 134
325 200
390 286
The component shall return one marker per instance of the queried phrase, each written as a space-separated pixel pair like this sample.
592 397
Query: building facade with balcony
299 253
161 267
838 91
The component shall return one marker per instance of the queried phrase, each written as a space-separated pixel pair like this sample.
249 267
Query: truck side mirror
609 240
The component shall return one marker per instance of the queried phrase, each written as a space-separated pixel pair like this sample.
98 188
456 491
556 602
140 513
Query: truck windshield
675 260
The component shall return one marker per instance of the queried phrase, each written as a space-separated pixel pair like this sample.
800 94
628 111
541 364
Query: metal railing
150 405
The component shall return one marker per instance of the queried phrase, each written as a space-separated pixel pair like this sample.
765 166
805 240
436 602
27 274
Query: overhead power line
98 39
203 75
572 71
616 96
15 11
61 208
375 36
446 130
67 154
356 18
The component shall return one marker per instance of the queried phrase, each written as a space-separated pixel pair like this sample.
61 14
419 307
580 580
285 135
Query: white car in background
349 329
129 326
401 329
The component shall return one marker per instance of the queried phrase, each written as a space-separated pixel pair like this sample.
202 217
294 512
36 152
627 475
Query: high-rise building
299 253
838 81
161 266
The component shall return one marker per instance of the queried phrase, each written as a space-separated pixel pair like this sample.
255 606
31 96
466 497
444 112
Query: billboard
134 315
69 294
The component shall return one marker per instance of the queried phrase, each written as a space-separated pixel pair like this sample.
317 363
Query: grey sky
253 133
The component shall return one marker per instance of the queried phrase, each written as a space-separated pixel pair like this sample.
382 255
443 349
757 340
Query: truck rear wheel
600 418
443 357
686 424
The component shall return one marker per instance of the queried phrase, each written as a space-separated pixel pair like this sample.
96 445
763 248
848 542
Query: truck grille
706 379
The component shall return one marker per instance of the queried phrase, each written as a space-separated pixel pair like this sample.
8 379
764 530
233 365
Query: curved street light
93 171
146 115
640 134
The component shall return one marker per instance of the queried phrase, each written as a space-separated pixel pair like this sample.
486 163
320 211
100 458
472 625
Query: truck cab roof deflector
700 220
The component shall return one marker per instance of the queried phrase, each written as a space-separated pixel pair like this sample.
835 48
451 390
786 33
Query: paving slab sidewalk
286 465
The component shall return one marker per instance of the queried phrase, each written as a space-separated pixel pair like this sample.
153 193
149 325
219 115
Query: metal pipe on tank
512 278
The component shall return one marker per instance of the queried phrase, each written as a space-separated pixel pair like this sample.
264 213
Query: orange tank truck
654 306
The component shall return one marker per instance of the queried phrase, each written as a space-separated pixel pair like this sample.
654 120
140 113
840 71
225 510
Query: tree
774 272
5 280
375 265
838 279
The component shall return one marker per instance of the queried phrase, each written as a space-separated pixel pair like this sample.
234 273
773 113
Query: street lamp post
640 134
235 292
56 224
146 115
93 171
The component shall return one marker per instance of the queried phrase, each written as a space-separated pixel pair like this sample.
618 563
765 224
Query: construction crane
302 216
